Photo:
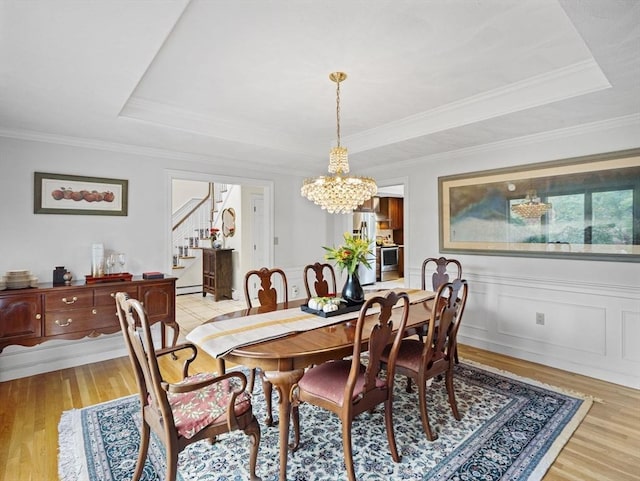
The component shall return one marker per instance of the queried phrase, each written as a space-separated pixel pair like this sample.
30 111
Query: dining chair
324 280
200 406
348 387
422 361
269 294
440 270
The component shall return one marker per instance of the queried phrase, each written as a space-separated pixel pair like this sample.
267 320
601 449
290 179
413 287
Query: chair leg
267 387
253 431
172 465
391 436
424 416
252 380
346 446
452 393
408 389
295 418
142 453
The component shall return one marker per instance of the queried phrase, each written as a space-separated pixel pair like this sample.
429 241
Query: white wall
592 308
41 242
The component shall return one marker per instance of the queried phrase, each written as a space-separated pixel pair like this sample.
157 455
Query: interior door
258 245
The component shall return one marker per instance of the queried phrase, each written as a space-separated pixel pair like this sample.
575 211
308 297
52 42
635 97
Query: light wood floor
605 447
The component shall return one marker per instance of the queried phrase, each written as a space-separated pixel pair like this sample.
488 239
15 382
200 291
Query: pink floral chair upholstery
201 406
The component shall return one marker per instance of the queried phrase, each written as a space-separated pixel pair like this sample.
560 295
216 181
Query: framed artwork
581 208
79 195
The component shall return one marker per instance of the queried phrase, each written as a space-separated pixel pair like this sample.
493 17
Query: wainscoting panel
631 336
517 317
477 312
588 328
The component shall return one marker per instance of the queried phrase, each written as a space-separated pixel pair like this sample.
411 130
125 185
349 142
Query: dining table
283 356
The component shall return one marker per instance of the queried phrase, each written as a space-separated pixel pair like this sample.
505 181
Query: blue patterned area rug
511 429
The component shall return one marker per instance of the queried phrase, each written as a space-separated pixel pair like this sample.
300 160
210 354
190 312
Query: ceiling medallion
531 207
339 193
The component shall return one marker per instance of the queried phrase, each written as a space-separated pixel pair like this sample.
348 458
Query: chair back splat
350 387
324 280
267 293
442 270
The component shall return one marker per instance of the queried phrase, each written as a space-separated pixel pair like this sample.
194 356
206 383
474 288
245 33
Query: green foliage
354 251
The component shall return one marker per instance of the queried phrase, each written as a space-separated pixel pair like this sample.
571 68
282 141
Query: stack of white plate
17 279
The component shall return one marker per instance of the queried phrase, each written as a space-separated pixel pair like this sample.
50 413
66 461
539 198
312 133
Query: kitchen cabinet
401 261
378 264
217 273
34 315
391 211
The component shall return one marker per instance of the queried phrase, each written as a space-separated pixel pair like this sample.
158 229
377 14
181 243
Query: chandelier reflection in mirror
531 208
339 193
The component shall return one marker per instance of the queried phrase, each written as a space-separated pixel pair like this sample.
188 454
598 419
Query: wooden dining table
283 360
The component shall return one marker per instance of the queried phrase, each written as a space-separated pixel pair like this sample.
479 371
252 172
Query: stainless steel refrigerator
364 226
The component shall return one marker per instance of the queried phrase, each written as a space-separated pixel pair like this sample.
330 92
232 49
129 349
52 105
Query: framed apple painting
79 195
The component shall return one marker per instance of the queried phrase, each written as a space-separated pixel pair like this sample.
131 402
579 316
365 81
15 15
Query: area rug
511 429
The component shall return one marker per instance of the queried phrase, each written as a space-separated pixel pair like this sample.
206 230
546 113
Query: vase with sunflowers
349 256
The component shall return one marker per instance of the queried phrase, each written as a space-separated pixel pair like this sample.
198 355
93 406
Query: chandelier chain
338 110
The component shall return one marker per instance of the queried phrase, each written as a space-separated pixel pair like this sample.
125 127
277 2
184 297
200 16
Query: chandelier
339 193
531 207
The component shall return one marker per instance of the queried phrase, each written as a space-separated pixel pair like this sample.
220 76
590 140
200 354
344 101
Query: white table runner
218 338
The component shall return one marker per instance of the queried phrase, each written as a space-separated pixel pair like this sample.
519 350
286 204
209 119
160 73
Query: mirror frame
228 227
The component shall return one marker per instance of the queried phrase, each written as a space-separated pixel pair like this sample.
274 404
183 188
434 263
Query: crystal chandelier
531 207
339 193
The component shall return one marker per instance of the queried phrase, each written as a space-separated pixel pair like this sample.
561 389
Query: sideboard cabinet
34 315
217 273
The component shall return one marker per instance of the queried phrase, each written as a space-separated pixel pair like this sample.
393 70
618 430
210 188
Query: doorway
250 236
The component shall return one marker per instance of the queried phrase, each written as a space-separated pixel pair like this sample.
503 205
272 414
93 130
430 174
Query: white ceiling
247 80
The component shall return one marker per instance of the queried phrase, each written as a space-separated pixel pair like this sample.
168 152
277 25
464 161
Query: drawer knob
38 316
113 294
67 301
94 311
63 323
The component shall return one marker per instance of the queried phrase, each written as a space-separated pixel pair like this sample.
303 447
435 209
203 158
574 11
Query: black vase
352 292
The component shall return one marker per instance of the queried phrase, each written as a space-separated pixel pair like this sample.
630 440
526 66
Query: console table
33 315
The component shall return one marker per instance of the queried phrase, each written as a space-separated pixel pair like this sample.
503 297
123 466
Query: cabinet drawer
68 299
74 320
106 296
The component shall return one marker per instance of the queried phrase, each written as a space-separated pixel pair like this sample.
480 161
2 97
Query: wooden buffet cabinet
217 273
33 315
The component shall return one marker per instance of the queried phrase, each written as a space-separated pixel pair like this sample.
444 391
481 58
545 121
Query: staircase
191 226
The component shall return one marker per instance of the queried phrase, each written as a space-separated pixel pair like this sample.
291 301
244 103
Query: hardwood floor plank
605 447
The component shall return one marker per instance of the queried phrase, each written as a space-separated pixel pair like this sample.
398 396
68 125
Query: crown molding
632 120
157 113
560 84
151 152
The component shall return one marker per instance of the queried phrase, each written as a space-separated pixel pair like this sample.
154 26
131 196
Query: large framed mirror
228 222
582 208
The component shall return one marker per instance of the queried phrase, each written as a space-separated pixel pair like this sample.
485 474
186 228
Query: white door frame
269 209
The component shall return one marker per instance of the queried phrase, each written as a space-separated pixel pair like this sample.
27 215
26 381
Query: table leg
283 381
